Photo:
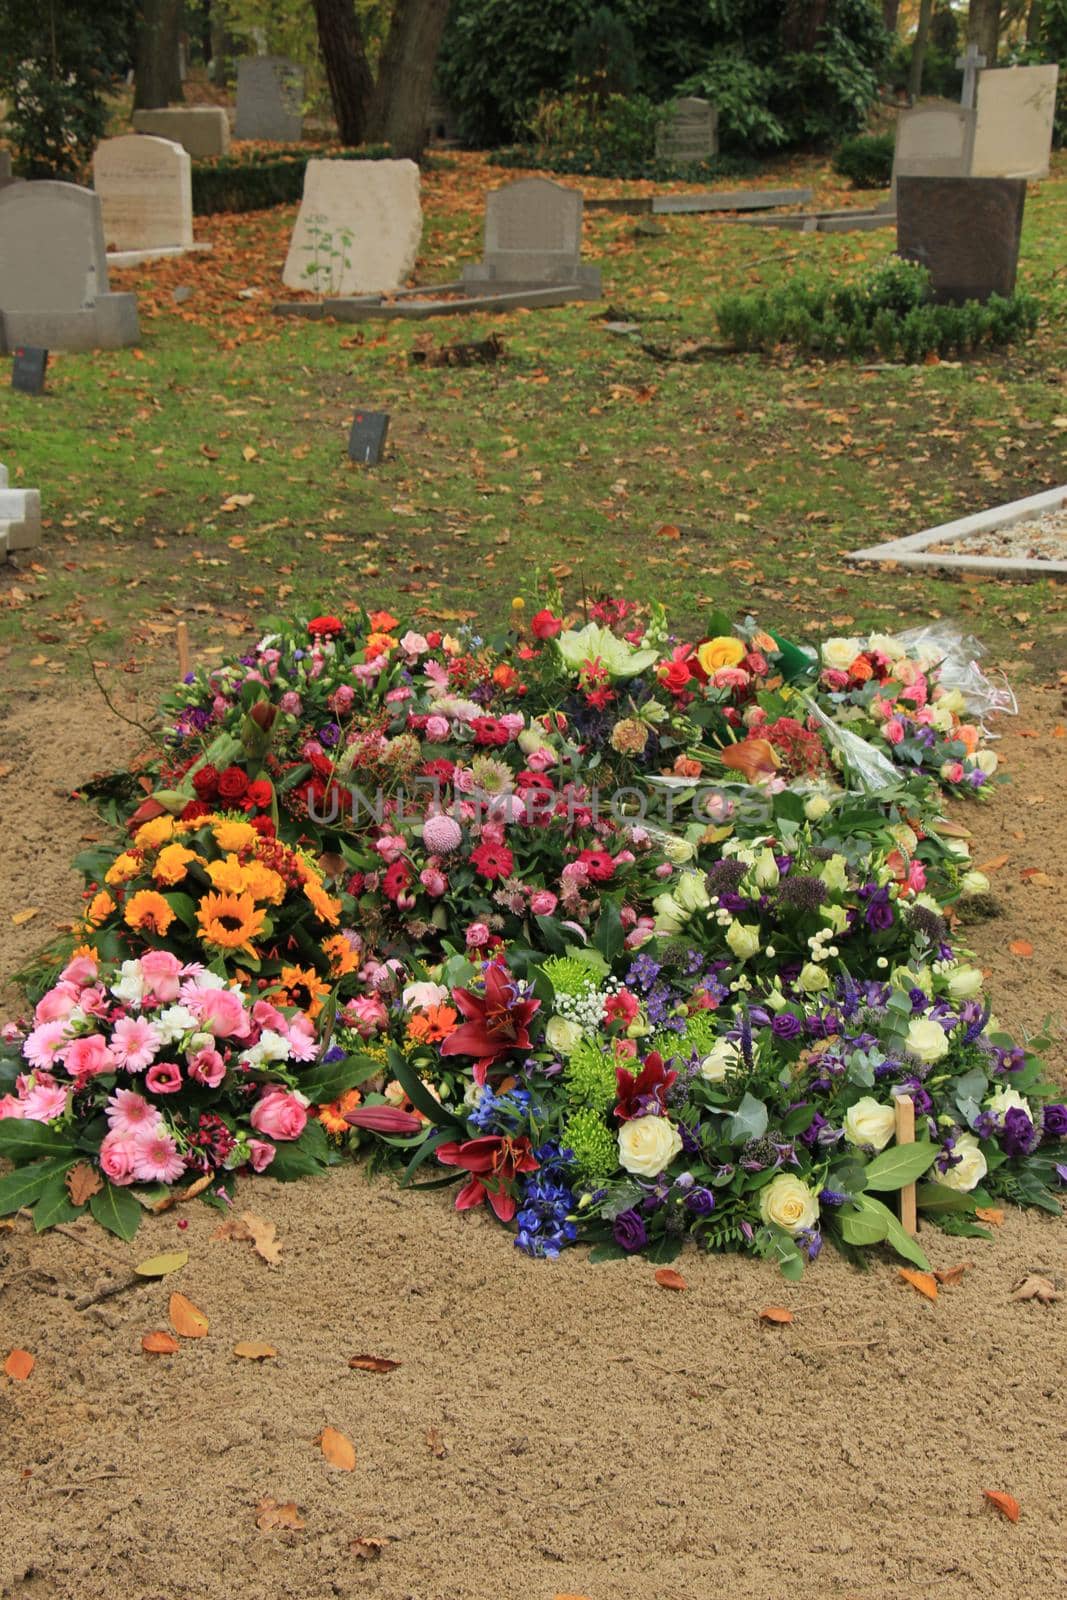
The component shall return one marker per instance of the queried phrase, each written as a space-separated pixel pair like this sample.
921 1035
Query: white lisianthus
840 653
670 917
690 893
743 940
789 1203
926 1039
987 760
677 850
974 883
723 1058
562 1035
173 1021
647 1145
963 982
417 996
765 873
131 984
869 1122
813 978
1008 1100
834 873
815 807
969 1171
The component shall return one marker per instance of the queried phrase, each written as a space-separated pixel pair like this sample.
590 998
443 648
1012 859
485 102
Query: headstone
358 228
202 130
969 63
146 193
20 516
367 438
28 368
533 235
1016 110
6 176
688 132
730 200
965 230
53 272
933 141
270 96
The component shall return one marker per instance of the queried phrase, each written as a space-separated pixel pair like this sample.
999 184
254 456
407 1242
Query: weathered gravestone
270 97
358 228
202 130
689 131
965 231
533 236
53 272
20 516
28 368
366 440
933 140
146 193
1016 109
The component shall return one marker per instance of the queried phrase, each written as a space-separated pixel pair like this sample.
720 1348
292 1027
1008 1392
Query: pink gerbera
134 1043
155 1157
45 1102
43 1044
128 1112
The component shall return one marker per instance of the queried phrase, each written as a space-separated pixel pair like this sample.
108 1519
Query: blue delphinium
547 1201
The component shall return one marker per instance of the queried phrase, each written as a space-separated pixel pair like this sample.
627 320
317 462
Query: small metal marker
366 441
28 368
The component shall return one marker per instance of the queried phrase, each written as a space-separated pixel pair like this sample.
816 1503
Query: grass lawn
204 474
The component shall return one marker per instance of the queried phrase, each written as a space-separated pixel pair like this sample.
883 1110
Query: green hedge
265 178
867 160
592 164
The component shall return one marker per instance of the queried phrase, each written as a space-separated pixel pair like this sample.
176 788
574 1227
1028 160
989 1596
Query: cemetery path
576 1428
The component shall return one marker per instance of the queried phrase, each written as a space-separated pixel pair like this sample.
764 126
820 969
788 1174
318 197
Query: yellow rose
813 978
789 1203
562 1035
969 1171
721 652
869 1122
647 1145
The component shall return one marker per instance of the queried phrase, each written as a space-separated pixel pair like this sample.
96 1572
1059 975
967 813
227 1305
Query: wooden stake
906 1135
184 663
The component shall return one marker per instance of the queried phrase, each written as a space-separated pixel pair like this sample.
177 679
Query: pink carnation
264 1015
280 1115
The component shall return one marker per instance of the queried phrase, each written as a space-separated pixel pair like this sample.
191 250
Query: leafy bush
55 79
265 178
889 313
618 131
528 157
866 160
604 56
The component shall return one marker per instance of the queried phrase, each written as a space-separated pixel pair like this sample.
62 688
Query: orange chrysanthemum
332 1116
432 1025
148 910
123 868
230 921
100 908
172 864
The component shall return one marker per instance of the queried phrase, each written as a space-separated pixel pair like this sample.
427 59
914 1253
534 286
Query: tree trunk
399 112
1033 23
156 54
801 24
918 49
347 71
983 28
890 14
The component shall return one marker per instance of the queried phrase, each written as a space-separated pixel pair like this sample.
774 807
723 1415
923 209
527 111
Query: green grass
564 461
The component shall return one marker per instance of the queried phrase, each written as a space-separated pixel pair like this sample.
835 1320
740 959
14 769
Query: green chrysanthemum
590 1077
596 1152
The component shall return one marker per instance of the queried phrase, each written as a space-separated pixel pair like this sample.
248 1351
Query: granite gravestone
933 141
366 441
146 193
270 97
1015 112
688 132
201 130
28 368
965 231
53 272
358 228
533 236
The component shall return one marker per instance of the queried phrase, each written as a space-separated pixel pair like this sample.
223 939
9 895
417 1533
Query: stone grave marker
6 175
688 132
965 230
358 228
270 96
1015 113
146 193
20 516
533 235
933 140
969 64
53 272
366 441
28 368
202 130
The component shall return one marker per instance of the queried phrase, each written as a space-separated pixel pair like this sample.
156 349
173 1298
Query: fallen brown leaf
253 1230
373 1363
338 1449
272 1515
1039 879
667 1278
1035 1287
1021 947
82 1182
1006 1504
18 918
19 1365
993 1215
367 1549
777 1316
946 1275
254 1350
436 1444
995 864
186 1319
924 1282
159 1343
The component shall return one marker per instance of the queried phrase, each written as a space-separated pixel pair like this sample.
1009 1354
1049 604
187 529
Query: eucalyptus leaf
749 1121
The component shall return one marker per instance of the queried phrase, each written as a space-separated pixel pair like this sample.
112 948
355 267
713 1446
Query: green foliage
261 179
941 76
58 60
608 134
889 314
866 160
603 55
605 157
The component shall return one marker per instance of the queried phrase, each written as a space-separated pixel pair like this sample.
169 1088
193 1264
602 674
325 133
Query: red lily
384 1119
647 1093
493 1162
497 1021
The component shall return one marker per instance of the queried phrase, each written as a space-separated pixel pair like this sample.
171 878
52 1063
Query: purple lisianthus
1054 1122
786 1026
1019 1136
630 1231
701 1202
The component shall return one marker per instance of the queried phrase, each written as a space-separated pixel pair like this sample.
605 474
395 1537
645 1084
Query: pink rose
414 644
56 1005
433 881
436 728
207 1067
543 902
162 973
95 1001
222 1012
88 1057
117 1157
279 1114
514 722
290 703
893 730
164 1078
267 1016
260 1153
80 971
477 935
541 759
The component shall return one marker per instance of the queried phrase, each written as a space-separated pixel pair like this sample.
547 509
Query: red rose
259 794
433 640
545 626
675 676
194 810
206 782
325 625
233 783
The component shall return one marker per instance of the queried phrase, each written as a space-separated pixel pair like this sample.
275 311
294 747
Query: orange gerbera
342 957
230 921
148 910
382 621
332 1116
377 645
304 988
432 1025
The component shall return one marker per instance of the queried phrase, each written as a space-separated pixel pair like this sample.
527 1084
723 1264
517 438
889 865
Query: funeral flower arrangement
636 938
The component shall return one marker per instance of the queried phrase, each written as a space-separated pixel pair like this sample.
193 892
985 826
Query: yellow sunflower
341 956
148 910
172 864
303 987
230 921
326 908
123 868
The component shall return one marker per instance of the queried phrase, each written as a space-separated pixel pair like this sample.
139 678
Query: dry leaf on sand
373 1363
667 1278
271 1515
436 1444
1006 1504
185 1318
924 1282
947 1275
1034 1287
159 1343
777 1316
83 1181
19 1364
256 1231
254 1350
367 1549
338 1449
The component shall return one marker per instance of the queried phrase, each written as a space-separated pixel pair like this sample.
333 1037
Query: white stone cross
969 63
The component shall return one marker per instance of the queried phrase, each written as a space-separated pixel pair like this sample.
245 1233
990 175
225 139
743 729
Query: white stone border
912 551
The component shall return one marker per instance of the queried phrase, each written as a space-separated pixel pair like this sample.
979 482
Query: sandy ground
553 1429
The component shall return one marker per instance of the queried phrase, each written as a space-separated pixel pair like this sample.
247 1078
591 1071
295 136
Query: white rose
724 1058
173 1021
953 699
968 1173
840 653
988 761
835 873
927 1040
974 883
886 645
869 1122
647 1145
678 850
690 893
417 996
963 982
562 1035
958 847
942 718
743 940
813 978
789 1203
816 807
1008 1100
765 873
